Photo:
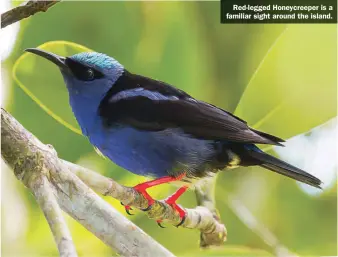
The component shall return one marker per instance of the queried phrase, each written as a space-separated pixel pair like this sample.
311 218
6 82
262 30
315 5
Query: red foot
141 188
171 200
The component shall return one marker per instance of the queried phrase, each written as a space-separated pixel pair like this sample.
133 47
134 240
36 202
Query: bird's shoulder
132 89
133 83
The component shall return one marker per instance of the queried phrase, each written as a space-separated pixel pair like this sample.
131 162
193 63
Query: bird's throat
85 111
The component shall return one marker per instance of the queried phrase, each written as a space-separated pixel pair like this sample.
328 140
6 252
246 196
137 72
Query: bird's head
88 74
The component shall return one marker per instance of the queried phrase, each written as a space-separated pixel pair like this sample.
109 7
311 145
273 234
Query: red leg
171 200
141 188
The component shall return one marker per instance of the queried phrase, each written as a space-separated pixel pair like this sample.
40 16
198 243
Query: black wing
175 109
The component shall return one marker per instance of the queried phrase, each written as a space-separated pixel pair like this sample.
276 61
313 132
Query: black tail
274 139
269 162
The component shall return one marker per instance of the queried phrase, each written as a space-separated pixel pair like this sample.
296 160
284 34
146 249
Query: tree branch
39 169
199 218
205 192
26 10
52 179
44 195
30 160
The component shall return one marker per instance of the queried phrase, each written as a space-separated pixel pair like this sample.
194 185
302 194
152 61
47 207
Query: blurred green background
281 79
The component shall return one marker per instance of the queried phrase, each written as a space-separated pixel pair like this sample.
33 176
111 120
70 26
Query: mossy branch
25 10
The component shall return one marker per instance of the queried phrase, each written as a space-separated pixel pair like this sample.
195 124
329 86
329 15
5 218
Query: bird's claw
150 205
171 200
159 223
142 191
182 221
141 188
127 209
181 211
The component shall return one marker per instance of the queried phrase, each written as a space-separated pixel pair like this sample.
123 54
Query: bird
156 130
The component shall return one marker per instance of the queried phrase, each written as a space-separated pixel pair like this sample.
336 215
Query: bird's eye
90 74
83 72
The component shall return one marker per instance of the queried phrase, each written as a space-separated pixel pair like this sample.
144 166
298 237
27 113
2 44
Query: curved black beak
54 58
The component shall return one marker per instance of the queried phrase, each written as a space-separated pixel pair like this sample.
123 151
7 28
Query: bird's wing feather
156 106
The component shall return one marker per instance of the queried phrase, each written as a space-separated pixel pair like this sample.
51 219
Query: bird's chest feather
154 153
151 153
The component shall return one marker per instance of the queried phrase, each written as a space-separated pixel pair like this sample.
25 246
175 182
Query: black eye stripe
90 73
82 72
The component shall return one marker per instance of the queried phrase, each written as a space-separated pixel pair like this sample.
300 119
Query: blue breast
144 153
152 153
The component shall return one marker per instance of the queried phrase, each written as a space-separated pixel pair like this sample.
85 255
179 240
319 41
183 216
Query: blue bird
153 129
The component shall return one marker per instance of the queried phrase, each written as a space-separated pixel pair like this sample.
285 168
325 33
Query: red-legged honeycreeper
154 129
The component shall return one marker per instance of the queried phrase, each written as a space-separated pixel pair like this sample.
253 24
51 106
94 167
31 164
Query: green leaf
42 81
294 87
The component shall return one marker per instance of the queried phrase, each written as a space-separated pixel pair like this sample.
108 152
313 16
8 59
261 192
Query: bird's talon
142 190
176 207
182 221
128 212
159 223
148 208
128 209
